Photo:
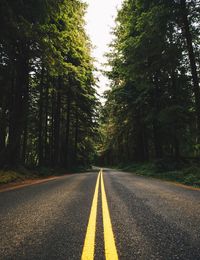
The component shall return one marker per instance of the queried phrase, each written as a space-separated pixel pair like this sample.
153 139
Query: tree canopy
152 109
48 97
48 104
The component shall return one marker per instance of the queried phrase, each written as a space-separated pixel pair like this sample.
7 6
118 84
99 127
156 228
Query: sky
100 18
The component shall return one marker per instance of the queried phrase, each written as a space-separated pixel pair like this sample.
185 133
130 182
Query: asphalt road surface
100 215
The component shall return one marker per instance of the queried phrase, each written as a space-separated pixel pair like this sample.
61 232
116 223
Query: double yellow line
109 241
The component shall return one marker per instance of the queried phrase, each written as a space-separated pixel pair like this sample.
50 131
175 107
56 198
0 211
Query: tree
150 109
48 102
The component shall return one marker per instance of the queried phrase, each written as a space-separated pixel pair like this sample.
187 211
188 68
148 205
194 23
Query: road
98 215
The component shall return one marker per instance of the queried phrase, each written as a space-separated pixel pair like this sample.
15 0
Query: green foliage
186 175
48 100
151 110
10 176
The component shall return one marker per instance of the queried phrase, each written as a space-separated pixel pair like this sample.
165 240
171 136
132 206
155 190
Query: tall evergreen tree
48 101
153 101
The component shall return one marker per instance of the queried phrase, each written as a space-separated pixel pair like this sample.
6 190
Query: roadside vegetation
12 176
49 111
188 175
152 110
21 174
48 103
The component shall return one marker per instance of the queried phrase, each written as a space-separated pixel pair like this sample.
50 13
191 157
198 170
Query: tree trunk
67 162
157 138
40 123
57 123
25 123
141 141
2 125
17 109
76 138
193 66
24 143
52 146
175 141
46 133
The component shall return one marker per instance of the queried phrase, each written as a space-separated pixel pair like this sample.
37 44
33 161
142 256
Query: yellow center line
88 249
109 241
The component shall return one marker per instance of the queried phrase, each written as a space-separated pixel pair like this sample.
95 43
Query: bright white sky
100 21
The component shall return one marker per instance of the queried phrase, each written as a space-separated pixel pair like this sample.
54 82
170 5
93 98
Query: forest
50 113
48 98
152 110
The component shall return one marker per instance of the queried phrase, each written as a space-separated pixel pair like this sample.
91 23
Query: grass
188 175
21 174
10 176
